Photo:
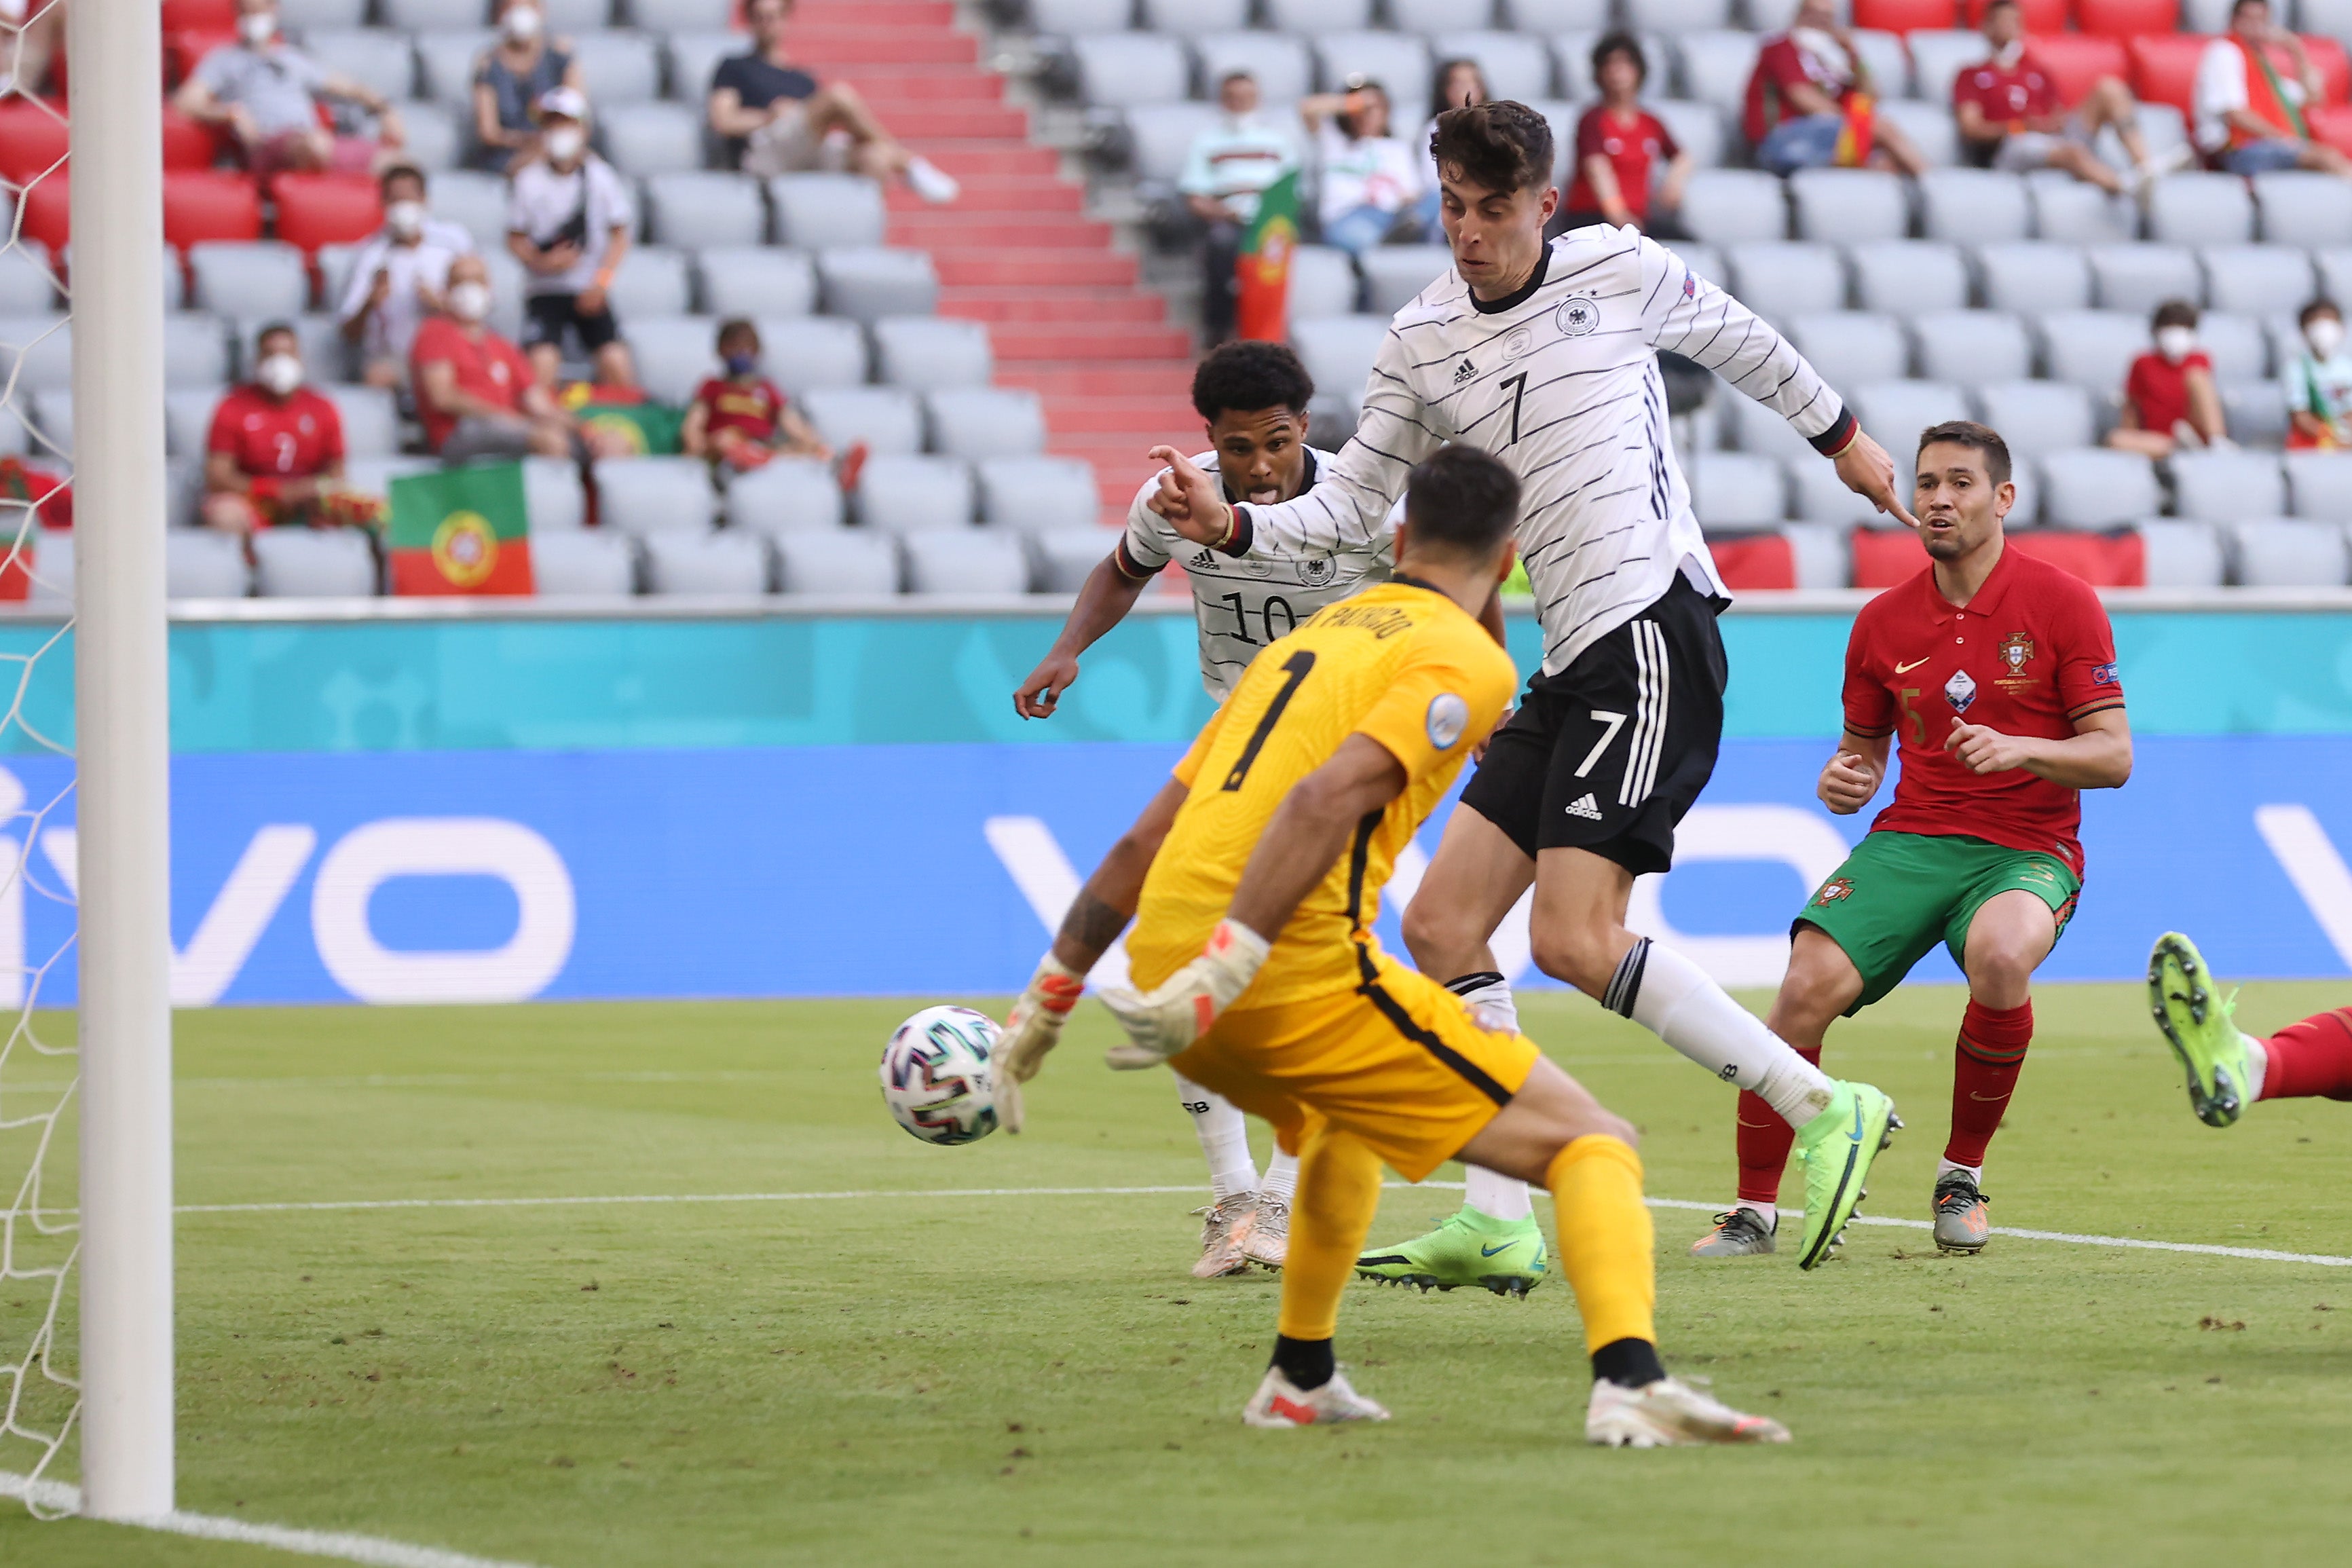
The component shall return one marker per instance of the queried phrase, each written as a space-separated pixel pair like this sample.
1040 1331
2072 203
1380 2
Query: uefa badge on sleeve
1448 716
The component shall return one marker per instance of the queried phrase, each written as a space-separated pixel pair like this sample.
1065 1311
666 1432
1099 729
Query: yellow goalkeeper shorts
1399 1062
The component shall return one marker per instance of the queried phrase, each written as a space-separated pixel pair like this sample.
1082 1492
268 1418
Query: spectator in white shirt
265 92
1371 181
1226 168
2254 85
397 279
568 216
1458 84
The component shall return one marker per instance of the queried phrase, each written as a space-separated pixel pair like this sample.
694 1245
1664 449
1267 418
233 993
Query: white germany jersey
1243 604
1561 382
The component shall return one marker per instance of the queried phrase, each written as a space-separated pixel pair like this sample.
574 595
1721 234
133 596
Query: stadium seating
843 563
199 564
972 560
909 494
314 563
645 496
1039 494
980 422
706 561
789 495
593 564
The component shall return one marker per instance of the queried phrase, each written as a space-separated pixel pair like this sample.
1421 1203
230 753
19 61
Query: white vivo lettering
1048 883
1801 839
2309 858
367 857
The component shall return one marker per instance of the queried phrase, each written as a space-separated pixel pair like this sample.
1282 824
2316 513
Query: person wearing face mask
275 451
2319 383
397 276
266 94
2255 84
2011 118
740 420
1228 166
512 76
568 216
475 392
1371 180
2169 396
1809 101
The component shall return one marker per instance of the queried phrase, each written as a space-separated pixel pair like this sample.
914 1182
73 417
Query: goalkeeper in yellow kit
1255 878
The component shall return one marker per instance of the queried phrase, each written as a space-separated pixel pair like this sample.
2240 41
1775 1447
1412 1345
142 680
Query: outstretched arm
1104 601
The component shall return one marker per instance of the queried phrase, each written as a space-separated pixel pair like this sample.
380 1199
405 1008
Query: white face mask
469 300
279 374
563 142
405 219
2325 335
522 24
2176 343
256 28
12 10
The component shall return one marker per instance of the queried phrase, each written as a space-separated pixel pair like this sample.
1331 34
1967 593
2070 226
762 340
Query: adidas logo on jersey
1206 558
1464 372
1586 807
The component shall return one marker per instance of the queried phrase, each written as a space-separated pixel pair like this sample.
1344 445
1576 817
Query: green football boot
2201 1028
1506 1257
1837 1147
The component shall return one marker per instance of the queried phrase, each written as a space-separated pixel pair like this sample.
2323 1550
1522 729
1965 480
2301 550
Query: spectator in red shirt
2010 116
474 390
1618 145
1809 101
276 449
741 419
2169 398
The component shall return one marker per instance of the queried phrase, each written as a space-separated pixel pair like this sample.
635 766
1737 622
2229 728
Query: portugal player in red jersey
1994 675
2227 1070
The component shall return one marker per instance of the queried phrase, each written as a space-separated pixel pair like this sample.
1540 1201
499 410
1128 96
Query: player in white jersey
1253 397
1545 356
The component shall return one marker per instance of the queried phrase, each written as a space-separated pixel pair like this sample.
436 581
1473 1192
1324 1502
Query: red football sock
1764 1141
1985 1065
2311 1058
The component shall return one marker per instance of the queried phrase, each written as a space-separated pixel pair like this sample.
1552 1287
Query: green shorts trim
1898 894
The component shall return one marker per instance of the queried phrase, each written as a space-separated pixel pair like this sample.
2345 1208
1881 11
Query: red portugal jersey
288 441
2008 98
1633 144
488 367
755 408
1784 62
2031 653
2157 389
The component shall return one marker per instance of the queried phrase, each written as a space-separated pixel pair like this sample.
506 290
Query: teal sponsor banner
537 683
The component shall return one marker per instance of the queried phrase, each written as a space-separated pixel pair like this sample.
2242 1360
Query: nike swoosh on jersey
1907 668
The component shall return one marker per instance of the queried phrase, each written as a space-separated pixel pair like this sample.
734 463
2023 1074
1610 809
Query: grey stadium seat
787 495
47 416
1972 348
200 563
1394 275
1896 410
1195 15
1061 558
314 563
476 203
370 419
552 496
2254 412
644 496
1974 206
973 561
432 16
2028 276
1850 347
1436 15
1164 134
1081 16
52 564
693 55
1116 68
680 15
2097 487
1888 62
2038 417
1736 490
2256 279
2142 277
1038 493
188 421
907 495
2200 209
1706 260
1847 205
806 354
1698 127
380 59
2067 210
1929 126
869 284
674 353
1322 282
1284 69
445 61
1308 17
1516 65
262 278
1556 15
2182 554
1399 62
2303 207
373 476
1783 280
2219 486
819 210
1749 426
2320 485
1338 351
196 350
2091 349
1715 67
924 353
1818 496
590 563
28 286
309 14
1938 58
981 422
2236 346
756 280
887 420
2288 553
618 68
437 134
1680 16
1908 276
1723 207
843 562
647 139
701 208
2334 268
708 561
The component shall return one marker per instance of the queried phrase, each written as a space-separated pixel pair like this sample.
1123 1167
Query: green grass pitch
1034 1379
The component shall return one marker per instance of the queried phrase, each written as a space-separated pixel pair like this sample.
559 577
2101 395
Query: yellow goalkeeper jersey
1401 663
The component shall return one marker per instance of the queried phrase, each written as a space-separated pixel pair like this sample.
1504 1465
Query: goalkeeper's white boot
1669 1413
1268 1241
1225 1234
1278 1402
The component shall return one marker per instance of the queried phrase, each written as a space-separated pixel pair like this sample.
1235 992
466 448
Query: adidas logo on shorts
1585 807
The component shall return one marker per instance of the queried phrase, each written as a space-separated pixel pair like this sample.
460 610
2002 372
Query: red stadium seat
31 138
2102 560
2335 66
201 204
1885 556
2075 60
2041 15
182 50
2332 125
1906 15
210 15
186 144
2164 68
2127 18
1761 563
45 214
326 209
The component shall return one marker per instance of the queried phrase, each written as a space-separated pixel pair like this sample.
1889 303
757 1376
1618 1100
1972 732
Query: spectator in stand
267 94
569 218
475 391
515 73
2171 399
397 278
276 451
1458 84
776 119
1618 145
27 44
740 420
1809 101
2253 85
2318 383
2010 116
1371 182
1228 166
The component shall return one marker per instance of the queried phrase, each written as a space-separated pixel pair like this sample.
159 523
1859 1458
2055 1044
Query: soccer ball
937 1078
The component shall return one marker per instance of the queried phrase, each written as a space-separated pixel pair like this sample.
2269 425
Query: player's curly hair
1979 437
1461 498
1503 146
1245 376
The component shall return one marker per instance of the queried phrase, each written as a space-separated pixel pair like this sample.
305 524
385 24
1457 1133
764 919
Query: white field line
2259 1254
335 1544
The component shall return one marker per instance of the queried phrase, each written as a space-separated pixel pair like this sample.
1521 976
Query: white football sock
1768 1212
1668 995
1489 995
2258 1067
1501 1197
1224 1138
1281 1176
1496 1195
1944 1167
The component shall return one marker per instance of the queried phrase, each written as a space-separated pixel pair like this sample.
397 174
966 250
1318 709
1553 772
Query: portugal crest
2016 651
1835 890
466 548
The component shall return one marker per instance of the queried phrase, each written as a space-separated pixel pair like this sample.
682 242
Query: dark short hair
1503 146
398 171
2321 306
733 326
1461 498
270 330
1626 44
1992 5
2241 5
1244 376
1232 74
2173 314
1975 437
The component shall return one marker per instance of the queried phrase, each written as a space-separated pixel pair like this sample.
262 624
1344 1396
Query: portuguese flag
1263 272
461 530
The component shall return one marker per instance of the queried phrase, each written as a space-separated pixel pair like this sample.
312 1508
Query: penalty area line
61 1498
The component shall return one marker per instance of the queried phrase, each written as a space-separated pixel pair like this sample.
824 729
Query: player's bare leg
2009 935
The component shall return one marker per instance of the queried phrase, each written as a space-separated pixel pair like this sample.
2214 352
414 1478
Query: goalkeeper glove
1164 1021
1032 1029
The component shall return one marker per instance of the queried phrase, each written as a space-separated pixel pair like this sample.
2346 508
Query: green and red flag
1262 273
461 530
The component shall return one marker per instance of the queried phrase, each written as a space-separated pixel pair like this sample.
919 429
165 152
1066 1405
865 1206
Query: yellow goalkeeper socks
1330 1214
1607 1249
